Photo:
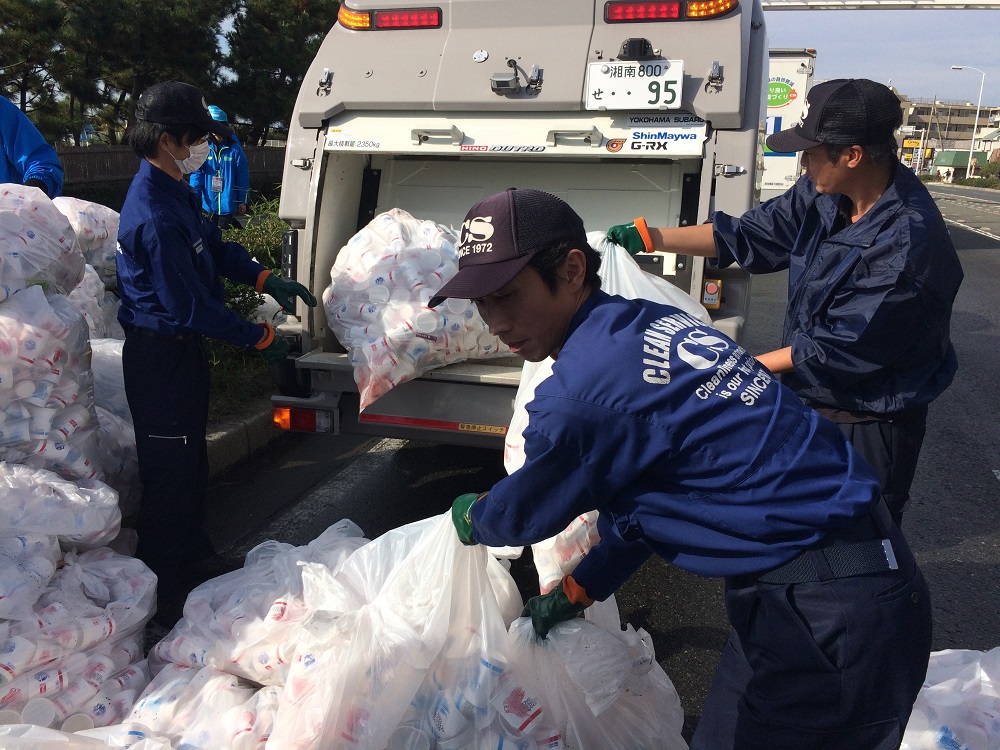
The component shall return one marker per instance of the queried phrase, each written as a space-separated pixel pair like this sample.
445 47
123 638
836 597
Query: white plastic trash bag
97 305
603 689
96 229
39 501
248 622
108 377
424 659
37 243
959 703
376 304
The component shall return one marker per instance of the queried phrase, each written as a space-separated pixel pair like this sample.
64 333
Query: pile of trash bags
411 640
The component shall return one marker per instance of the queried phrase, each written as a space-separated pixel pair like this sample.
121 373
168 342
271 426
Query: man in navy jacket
691 450
27 158
872 276
171 261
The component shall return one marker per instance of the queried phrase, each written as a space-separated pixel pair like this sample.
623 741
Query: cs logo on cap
805 112
475 235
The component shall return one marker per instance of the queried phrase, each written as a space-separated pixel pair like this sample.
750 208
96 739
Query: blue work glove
564 602
633 237
285 291
273 347
461 516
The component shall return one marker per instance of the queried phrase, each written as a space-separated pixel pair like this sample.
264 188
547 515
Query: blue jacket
869 307
683 442
171 261
26 154
227 161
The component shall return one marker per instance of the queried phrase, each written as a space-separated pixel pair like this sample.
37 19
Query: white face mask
198 155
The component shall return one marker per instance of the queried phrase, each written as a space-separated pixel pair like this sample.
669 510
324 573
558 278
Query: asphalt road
302 484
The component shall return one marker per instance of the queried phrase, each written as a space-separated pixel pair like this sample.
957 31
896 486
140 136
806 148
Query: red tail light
419 18
618 12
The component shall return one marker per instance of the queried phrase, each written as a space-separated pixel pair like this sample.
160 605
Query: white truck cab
622 109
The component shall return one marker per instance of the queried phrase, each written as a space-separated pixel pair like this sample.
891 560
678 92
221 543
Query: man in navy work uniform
170 266
223 181
691 450
872 275
26 157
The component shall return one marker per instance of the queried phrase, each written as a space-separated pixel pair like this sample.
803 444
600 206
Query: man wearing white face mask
170 265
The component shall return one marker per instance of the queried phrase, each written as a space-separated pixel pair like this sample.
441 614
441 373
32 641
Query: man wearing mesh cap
691 451
872 276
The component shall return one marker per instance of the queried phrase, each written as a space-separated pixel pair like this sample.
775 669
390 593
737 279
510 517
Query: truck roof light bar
381 20
625 12
617 11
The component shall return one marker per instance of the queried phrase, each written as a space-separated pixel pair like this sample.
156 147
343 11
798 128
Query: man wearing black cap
692 451
170 265
872 276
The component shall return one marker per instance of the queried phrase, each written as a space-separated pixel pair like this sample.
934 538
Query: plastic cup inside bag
408 738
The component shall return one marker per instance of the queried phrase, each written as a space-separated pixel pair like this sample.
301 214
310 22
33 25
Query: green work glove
564 602
461 516
633 237
276 351
285 291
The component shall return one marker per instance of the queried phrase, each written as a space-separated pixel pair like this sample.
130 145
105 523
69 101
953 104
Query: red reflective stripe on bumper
433 424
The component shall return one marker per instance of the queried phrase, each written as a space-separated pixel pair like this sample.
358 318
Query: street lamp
975 127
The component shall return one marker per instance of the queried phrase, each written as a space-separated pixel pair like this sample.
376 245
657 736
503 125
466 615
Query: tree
271 45
27 52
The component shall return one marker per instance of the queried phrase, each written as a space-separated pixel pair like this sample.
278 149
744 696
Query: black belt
861 549
178 336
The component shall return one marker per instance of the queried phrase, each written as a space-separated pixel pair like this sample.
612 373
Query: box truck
790 73
623 109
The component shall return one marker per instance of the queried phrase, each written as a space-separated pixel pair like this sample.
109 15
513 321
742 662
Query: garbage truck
622 109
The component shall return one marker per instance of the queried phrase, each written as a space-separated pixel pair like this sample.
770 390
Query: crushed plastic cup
41 417
486 678
444 720
75 694
6 377
460 742
493 739
520 711
39 711
407 737
77 723
14 431
378 294
16 655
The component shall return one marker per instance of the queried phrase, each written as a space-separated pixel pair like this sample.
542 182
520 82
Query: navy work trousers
891 448
833 664
167 385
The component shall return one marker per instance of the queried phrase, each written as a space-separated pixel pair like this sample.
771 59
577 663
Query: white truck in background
623 109
789 78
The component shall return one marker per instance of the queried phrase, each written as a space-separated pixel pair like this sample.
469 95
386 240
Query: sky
911 50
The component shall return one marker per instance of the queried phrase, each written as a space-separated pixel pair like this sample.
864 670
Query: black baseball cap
177 103
842 112
501 233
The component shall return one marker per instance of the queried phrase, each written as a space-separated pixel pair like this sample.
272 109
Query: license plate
646 84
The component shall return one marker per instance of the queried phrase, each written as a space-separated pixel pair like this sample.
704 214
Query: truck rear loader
622 109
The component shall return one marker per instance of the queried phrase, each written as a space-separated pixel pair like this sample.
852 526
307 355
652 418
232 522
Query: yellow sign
911 143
